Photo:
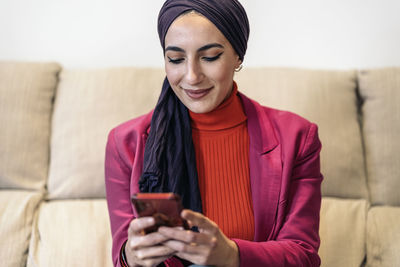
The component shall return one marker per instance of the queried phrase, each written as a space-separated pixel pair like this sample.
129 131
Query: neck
227 115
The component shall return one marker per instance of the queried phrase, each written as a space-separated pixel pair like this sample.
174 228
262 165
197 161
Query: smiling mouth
198 93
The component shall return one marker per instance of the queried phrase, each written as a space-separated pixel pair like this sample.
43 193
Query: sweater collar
227 115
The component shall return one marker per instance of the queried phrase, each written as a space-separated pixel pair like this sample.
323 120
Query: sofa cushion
71 233
380 89
327 98
342 232
17 210
383 237
26 101
88 105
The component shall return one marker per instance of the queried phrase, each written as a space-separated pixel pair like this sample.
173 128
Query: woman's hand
145 250
208 247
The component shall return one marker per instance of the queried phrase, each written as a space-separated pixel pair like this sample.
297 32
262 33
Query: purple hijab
169 158
228 16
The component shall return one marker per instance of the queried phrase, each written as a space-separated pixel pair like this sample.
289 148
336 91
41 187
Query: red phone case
164 207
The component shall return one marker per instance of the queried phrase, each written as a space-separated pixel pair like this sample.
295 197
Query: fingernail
132 244
150 220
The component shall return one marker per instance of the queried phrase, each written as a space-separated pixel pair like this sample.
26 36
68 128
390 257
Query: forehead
193 28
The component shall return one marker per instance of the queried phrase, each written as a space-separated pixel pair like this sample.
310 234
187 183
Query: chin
199 109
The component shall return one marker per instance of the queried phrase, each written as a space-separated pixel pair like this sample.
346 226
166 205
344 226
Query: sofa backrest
89 103
26 103
380 91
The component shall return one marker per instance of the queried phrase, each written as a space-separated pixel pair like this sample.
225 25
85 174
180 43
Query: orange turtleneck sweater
221 143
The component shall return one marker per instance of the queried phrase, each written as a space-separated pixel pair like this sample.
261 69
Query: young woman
248 175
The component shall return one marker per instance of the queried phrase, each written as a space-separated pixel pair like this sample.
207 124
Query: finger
181 247
137 225
148 240
153 261
200 221
188 236
154 252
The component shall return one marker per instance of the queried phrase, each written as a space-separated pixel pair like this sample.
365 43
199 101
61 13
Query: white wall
334 34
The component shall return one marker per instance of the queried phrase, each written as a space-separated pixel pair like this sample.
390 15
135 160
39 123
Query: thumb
202 222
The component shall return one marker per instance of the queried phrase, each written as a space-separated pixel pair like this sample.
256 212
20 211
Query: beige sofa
54 124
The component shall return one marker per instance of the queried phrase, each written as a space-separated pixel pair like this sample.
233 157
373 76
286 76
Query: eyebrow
203 48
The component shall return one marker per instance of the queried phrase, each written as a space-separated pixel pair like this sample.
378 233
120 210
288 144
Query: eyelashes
207 59
175 61
210 59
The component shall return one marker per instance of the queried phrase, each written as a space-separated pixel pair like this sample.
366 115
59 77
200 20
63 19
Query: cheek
172 75
223 73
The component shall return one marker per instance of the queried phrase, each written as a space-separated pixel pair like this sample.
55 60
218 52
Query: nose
194 73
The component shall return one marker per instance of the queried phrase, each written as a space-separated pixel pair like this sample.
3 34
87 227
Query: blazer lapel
265 169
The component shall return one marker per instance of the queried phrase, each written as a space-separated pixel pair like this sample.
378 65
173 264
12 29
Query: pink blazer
285 185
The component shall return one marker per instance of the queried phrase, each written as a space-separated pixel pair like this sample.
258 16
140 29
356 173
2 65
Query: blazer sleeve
297 241
117 181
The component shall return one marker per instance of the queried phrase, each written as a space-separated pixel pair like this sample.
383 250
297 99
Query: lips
197 93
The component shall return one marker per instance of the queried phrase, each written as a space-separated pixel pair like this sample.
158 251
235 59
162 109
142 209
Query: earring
238 69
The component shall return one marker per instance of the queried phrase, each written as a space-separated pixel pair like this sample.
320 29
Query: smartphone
164 207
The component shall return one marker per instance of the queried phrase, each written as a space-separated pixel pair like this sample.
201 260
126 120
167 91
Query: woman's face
199 62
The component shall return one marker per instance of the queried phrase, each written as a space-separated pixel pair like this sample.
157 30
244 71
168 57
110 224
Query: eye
210 59
175 60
